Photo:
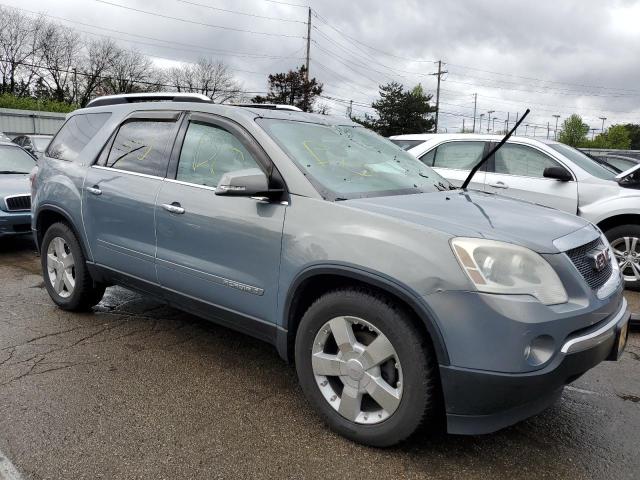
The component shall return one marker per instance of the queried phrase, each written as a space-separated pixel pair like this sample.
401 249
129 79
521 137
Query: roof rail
148 97
267 106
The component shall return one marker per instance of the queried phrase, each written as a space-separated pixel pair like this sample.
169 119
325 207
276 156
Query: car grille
17 203
584 263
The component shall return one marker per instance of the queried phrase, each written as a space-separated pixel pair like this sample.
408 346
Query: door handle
499 184
173 208
95 190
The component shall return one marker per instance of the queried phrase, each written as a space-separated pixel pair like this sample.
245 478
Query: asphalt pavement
138 390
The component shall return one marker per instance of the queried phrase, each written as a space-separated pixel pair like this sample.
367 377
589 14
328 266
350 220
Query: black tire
615 234
420 384
86 292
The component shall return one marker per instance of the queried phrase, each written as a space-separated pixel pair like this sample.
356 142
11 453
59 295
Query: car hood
13 184
477 214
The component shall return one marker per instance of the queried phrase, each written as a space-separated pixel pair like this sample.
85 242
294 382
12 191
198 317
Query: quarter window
208 152
521 160
75 134
458 155
142 146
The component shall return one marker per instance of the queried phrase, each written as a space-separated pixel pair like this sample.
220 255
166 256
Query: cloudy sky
556 57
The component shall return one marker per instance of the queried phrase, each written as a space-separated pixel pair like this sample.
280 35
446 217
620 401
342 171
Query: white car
547 173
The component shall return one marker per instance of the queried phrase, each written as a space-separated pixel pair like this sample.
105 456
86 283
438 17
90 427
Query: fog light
540 350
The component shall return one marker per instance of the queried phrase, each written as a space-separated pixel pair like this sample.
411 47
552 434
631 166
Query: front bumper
479 402
15 223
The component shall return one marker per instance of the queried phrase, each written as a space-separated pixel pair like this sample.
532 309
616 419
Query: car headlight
499 267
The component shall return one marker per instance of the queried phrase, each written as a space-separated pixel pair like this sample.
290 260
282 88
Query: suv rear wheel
625 241
365 367
65 272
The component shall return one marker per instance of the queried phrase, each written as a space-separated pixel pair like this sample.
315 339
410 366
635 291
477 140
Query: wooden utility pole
475 105
439 75
308 44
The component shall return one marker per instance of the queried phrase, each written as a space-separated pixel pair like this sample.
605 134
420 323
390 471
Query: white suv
547 173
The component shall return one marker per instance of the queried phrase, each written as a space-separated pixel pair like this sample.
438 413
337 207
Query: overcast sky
555 57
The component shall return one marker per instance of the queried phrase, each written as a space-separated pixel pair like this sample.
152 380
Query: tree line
45 61
622 136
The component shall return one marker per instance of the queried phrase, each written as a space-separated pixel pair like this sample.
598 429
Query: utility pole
439 75
555 132
603 119
494 125
526 128
517 115
535 127
350 109
506 128
463 125
475 104
593 133
480 128
489 120
548 130
308 44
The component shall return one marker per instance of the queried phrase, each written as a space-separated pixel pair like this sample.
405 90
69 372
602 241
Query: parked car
547 173
4 138
34 144
15 199
394 295
619 163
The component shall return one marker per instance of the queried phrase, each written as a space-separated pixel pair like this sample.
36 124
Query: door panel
517 171
118 212
222 250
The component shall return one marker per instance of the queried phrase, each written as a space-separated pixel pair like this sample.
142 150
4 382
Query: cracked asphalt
137 390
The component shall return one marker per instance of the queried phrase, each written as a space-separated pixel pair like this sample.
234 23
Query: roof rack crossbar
148 97
268 106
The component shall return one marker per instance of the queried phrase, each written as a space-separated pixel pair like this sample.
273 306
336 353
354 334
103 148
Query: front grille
585 264
17 203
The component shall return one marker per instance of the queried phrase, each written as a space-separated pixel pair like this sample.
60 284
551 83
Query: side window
19 141
521 160
428 157
75 134
142 146
208 152
458 155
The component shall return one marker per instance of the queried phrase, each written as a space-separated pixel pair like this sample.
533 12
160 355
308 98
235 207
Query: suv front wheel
365 367
65 272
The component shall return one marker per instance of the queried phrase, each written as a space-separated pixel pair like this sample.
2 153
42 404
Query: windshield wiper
493 150
11 171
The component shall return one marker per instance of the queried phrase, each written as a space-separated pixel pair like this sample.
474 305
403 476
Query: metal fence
22 122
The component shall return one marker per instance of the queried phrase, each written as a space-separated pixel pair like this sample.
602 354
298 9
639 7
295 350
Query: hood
477 214
13 184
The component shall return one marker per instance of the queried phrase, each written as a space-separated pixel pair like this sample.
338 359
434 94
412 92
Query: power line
241 13
193 22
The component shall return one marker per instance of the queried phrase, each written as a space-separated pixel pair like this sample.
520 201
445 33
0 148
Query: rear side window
458 155
208 152
75 134
142 146
406 144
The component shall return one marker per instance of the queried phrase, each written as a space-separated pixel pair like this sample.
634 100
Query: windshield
406 144
346 162
15 160
587 164
41 143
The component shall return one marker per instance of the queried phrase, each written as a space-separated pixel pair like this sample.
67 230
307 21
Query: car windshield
15 160
40 143
589 165
345 162
406 144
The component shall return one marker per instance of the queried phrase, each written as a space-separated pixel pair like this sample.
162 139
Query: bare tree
18 46
129 72
207 76
99 56
59 54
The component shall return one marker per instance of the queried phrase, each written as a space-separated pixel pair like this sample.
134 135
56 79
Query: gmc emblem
600 259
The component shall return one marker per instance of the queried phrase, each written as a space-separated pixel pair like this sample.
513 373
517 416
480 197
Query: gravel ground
138 390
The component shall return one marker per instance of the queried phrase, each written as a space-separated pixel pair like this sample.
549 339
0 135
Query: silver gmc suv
398 296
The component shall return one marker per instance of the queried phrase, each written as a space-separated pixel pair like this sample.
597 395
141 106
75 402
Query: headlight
498 267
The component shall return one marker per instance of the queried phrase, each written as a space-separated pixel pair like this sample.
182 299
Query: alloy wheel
357 370
61 267
627 252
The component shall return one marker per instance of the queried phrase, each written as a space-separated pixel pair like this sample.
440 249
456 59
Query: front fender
609 207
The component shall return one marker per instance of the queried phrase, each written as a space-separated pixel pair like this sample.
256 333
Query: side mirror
243 183
558 173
